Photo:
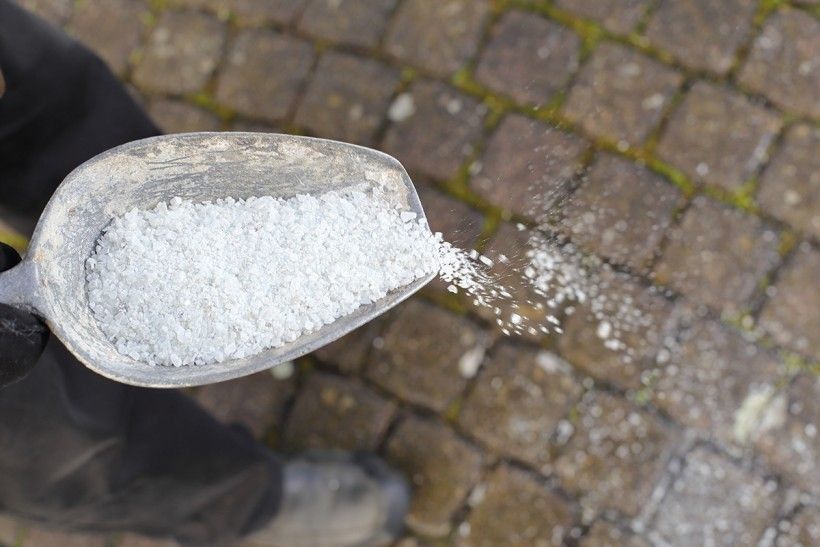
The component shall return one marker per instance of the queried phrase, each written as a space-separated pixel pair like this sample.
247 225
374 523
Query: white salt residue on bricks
189 283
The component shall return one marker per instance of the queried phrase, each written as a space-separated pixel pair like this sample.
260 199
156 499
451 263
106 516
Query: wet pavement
692 127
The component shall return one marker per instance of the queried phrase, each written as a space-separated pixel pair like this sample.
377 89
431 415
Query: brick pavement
689 129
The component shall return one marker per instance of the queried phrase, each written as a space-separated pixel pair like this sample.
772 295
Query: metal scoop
50 281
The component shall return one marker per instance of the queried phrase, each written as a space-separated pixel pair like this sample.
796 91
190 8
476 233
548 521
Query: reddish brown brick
112 28
437 36
256 401
717 256
620 94
520 397
264 73
787 435
619 16
421 355
333 412
615 454
783 62
702 34
605 534
350 352
621 211
39 537
718 136
351 22
182 53
792 313
528 58
708 374
527 165
637 318
460 224
441 467
790 185
251 12
347 98
516 510
436 133
715 502
178 117
133 540
10 529
508 250
803 529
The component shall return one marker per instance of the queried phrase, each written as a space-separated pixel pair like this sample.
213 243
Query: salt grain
190 283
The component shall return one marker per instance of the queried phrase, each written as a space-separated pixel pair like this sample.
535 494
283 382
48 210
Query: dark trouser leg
77 450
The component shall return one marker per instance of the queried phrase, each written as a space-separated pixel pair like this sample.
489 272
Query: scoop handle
18 287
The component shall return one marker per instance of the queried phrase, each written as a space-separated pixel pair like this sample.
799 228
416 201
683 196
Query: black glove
22 335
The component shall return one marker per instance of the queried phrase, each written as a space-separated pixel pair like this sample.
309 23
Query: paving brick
527 165
350 22
182 53
783 62
792 313
255 401
422 353
709 374
251 12
702 34
333 412
790 185
717 256
39 537
441 467
605 534
508 250
460 224
637 317
619 16
714 502
528 58
787 436
9 530
254 127
621 211
516 510
437 36
620 94
179 117
520 397
264 73
349 353
802 530
614 456
133 540
437 133
718 136
56 12
347 98
112 28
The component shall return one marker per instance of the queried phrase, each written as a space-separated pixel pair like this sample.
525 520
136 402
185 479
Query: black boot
337 500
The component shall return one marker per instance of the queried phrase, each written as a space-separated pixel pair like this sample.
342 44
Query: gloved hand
22 335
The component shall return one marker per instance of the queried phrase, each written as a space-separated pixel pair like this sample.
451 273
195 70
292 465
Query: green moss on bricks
590 32
158 6
453 410
207 101
788 241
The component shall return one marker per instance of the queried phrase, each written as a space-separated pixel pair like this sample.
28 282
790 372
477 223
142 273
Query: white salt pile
191 283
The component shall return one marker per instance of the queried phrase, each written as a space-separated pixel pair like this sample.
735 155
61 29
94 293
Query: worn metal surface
195 166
